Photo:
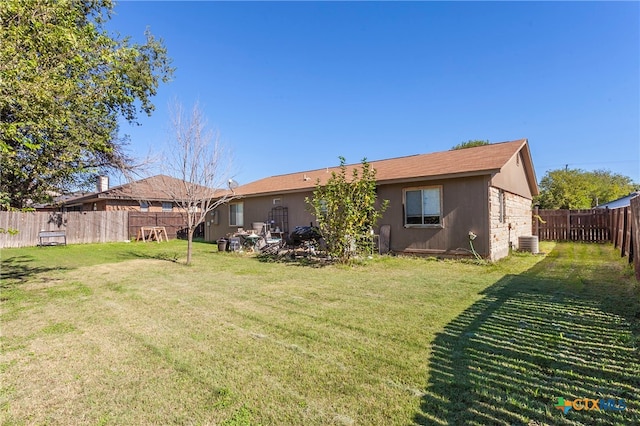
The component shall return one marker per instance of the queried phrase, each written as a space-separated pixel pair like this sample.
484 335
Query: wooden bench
42 235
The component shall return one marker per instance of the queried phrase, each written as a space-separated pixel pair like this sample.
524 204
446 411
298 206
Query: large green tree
579 189
470 144
64 84
347 209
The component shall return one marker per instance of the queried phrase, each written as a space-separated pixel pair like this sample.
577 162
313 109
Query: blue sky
291 86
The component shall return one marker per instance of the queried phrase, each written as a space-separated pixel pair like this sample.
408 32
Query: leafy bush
347 209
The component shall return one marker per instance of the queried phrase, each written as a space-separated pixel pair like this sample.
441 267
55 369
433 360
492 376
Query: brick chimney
102 184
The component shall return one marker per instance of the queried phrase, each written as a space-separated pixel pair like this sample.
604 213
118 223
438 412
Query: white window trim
404 207
231 216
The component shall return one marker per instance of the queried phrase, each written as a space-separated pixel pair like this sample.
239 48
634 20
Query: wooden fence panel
621 226
96 227
174 222
626 233
574 225
635 235
552 225
615 224
80 227
621 229
86 227
21 229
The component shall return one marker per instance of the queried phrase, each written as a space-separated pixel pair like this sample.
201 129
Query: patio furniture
252 241
234 244
42 235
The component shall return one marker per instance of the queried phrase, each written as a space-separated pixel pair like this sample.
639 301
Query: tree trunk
189 243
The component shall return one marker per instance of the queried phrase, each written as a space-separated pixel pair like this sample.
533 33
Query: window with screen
423 206
236 214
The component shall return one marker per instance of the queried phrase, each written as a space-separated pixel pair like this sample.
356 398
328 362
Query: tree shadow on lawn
164 255
19 269
533 338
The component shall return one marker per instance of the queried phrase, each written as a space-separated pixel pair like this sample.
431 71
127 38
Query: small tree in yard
201 163
346 209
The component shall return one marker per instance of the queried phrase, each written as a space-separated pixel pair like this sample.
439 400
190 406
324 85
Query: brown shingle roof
480 160
154 188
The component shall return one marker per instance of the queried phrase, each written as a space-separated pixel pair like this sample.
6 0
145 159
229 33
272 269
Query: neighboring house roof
481 160
620 202
61 199
154 188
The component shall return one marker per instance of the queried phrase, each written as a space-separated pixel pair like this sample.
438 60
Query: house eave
474 173
381 182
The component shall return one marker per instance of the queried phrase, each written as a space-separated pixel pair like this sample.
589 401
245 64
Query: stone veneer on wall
517 214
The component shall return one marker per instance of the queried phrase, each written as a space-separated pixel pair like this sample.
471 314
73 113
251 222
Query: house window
323 207
236 215
423 206
277 201
502 207
144 206
167 206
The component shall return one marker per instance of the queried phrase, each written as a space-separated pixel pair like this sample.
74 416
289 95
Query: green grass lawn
127 334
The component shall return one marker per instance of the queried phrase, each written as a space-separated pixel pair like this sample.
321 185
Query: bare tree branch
202 165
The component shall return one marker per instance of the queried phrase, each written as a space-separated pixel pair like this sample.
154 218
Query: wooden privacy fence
621 229
20 229
173 222
635 235
573 225
620 226
625 230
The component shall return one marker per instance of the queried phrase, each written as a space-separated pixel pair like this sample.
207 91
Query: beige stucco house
435 200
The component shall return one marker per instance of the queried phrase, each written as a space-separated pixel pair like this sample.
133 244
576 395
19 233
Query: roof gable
481 160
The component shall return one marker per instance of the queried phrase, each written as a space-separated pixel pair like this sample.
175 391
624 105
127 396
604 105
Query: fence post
625 220
634 205
629 233
614 229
